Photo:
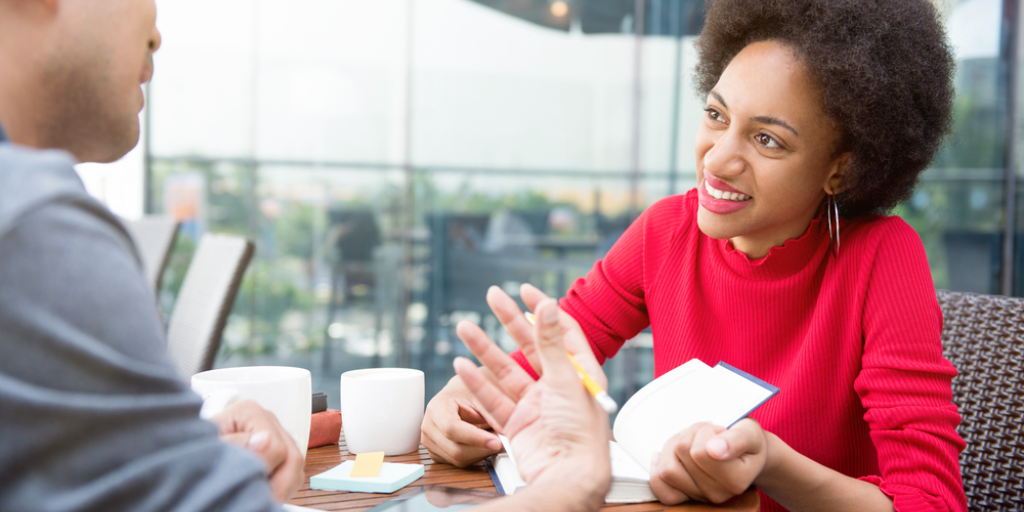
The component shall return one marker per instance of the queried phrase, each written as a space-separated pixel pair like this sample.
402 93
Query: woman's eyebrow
775 121
719 98
760 119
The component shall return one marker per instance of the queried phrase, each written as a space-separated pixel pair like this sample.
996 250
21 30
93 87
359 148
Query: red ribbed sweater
853 342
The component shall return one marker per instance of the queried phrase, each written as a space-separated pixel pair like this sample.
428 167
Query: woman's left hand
709 463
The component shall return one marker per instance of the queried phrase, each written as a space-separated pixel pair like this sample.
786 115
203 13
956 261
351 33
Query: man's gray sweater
93 416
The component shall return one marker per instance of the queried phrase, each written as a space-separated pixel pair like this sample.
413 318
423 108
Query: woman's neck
757 245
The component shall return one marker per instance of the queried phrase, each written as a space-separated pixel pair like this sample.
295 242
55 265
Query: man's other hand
248 425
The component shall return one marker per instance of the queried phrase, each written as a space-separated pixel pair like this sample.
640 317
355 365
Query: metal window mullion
1009 69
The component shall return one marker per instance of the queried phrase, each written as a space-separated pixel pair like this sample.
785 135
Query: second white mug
382 409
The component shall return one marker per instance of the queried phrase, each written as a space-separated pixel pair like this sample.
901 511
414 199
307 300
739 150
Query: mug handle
215 402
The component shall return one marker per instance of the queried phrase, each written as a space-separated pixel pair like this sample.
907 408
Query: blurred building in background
393 158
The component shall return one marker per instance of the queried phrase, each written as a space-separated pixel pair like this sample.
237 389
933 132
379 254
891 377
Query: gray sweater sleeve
92 414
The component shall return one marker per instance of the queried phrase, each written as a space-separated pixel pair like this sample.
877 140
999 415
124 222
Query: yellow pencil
603 398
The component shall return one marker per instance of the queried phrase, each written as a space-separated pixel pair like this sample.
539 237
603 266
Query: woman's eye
714 114
767 141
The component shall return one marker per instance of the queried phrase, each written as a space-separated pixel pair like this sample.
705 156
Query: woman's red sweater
853 342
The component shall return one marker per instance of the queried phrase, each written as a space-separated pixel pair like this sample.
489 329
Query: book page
742 395
689 394
624 468
641 416
507 472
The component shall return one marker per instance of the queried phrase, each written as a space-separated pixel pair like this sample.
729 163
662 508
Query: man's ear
836 181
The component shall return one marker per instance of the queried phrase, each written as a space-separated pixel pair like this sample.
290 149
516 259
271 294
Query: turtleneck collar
783 261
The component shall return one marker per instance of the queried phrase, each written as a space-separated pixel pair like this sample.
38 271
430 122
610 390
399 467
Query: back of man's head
71 73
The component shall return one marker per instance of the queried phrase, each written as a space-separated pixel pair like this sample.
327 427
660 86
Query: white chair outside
204 301
154 236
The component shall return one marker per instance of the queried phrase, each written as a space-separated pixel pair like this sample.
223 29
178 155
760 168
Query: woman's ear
836 180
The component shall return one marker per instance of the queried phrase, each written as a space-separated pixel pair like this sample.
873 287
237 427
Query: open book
689 394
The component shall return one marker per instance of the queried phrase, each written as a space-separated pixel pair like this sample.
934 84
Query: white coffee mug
282 390
382 409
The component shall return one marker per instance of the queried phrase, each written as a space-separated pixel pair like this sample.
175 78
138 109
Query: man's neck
3 136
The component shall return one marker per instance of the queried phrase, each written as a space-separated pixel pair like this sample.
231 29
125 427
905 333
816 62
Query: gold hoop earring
832 210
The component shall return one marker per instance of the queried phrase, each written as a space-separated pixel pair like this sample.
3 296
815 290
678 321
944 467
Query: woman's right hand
454 428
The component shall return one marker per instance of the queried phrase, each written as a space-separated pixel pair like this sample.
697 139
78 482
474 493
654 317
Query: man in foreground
92 414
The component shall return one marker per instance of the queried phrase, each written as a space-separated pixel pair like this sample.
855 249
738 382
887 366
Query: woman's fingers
531 295
513 379
574 338
511 317
496 403
745 437
450 439
669 479
717 480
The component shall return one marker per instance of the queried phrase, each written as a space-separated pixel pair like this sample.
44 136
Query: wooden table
323 458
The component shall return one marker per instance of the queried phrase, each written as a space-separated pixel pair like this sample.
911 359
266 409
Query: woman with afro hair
820 116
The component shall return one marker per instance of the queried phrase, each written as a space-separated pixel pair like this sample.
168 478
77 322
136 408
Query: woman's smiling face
765 151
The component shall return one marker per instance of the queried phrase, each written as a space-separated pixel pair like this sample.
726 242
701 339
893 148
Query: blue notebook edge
494 476
772 389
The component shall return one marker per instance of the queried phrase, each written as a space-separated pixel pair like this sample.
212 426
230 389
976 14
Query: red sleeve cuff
911 499
518 357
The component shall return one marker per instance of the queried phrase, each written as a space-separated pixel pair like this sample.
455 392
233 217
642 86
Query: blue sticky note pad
393 476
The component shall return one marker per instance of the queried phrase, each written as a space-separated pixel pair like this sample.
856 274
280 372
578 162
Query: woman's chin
716 226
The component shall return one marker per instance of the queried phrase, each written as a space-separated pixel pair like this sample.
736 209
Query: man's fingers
281 459
286 480
557 368
239 439
496 403
510 375
576 343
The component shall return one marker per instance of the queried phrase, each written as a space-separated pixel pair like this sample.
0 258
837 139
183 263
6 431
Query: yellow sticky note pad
368 464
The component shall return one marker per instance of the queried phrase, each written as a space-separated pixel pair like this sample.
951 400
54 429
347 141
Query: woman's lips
719 184
719 206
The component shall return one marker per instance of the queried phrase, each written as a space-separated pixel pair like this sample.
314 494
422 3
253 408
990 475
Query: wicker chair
204 301
983 336
154 236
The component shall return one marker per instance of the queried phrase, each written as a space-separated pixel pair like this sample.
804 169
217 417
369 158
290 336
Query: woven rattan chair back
154 236
204 301
983 336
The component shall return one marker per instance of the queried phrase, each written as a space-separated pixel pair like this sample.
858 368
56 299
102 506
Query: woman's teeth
728 196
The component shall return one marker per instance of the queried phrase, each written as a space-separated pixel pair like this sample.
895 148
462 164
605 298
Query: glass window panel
492 90
201 96
287 122
958 207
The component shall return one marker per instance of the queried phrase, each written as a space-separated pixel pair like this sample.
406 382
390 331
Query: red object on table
325 428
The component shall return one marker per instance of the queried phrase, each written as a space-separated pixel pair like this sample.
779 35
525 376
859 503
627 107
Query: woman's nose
725 157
